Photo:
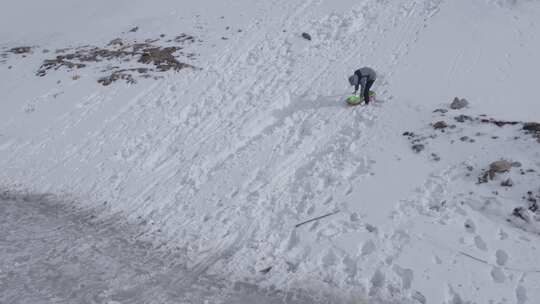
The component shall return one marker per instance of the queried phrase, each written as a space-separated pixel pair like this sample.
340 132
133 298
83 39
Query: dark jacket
361 77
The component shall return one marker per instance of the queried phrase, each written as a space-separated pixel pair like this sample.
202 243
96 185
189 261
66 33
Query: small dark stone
306 36
21 50
133 30
507 183
521 213
418 148
440 111
464 138
463 118
533 205
498 123
440 125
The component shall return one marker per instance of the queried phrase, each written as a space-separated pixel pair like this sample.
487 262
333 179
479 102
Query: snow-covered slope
220 161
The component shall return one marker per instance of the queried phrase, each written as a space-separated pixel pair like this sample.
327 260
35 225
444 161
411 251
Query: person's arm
357 84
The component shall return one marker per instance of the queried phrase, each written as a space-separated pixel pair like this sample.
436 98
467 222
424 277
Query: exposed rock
118 50
500 166
533 201
115 76
116 42
464 138
442 111
163 59
507 183
459 103
21 50
521 213
306 36
531 126
183 38
440 125
463 118
407 133
418 148
499 123
133 30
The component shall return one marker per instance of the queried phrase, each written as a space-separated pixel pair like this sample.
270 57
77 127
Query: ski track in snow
224 162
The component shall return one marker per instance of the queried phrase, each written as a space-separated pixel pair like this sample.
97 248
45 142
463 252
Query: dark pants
369 83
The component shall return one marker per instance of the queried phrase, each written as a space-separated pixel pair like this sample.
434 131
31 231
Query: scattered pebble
440 125
507 183
418 148
463 118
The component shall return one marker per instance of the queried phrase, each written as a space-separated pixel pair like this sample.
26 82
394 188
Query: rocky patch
418 143
306 36
21 50
440 125
531 211
459 103
120 59
533 129
497 167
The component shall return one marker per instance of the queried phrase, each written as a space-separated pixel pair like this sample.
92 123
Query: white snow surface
202 176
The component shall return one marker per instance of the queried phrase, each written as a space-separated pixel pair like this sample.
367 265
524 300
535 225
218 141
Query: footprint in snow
479 242
498 275
501 257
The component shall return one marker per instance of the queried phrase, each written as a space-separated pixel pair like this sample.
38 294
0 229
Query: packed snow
203 152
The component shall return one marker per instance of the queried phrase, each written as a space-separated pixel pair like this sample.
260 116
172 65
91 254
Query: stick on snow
316 219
